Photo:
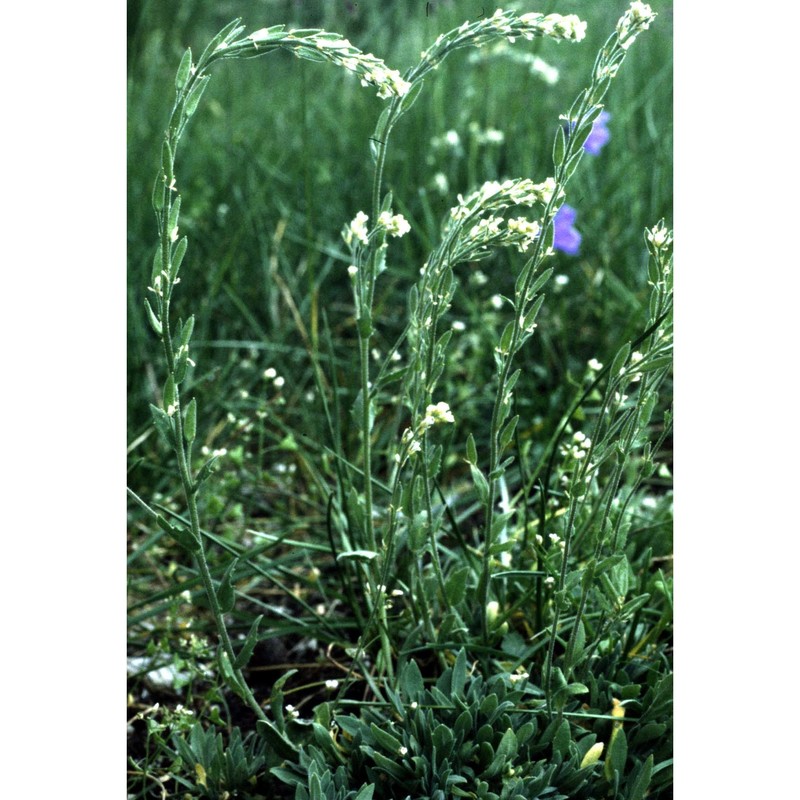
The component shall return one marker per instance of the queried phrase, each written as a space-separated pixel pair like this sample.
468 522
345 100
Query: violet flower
566 238
599 135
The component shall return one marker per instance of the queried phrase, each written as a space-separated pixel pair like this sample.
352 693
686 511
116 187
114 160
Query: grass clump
399 528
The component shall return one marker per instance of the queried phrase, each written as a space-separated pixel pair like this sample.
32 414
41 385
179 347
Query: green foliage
220 769
465 736
365 457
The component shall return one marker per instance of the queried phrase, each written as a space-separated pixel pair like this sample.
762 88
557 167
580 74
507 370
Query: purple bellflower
567 239
599 135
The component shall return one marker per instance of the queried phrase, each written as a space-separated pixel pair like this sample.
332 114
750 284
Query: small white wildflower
554 538
402 751
278 382
292 711
357 229
440 183
594 365
578 436
414 705
659 236
332 684
352 270
270 373
561 280
396 225
635 20
636 357
452 138
440 413
171 409
496 301
479 278
539 539
458 325
518 676
549 580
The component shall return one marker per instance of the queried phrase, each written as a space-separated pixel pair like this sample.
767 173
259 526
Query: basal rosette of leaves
466 736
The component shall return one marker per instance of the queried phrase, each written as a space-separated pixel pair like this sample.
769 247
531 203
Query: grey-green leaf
184 69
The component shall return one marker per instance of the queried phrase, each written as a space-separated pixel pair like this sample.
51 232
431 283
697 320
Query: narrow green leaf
205 472
411 682
619 360
170 391
366 792
246 652
226 595
455 587
177 256
231 29
362 556
472 452
174 215
183 536
505 339
163 425
459 677
196 92
282 747
385 739
167 160
616 755
155 323
507 434
481 484
190 423
505 752
561 739
642 781
559 146
183 70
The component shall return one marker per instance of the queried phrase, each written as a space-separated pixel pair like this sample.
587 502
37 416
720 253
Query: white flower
569 27
278 382
352 270
402 751
518 676
594 365
396 225
332 684
270 373
659 236
357 229
635 20
439 413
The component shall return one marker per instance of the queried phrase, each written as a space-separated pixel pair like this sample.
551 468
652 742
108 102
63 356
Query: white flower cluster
357 229
659 236
556 26
389 82
506 24
493 194
435 414
635 20
395 224
527 229
371 70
